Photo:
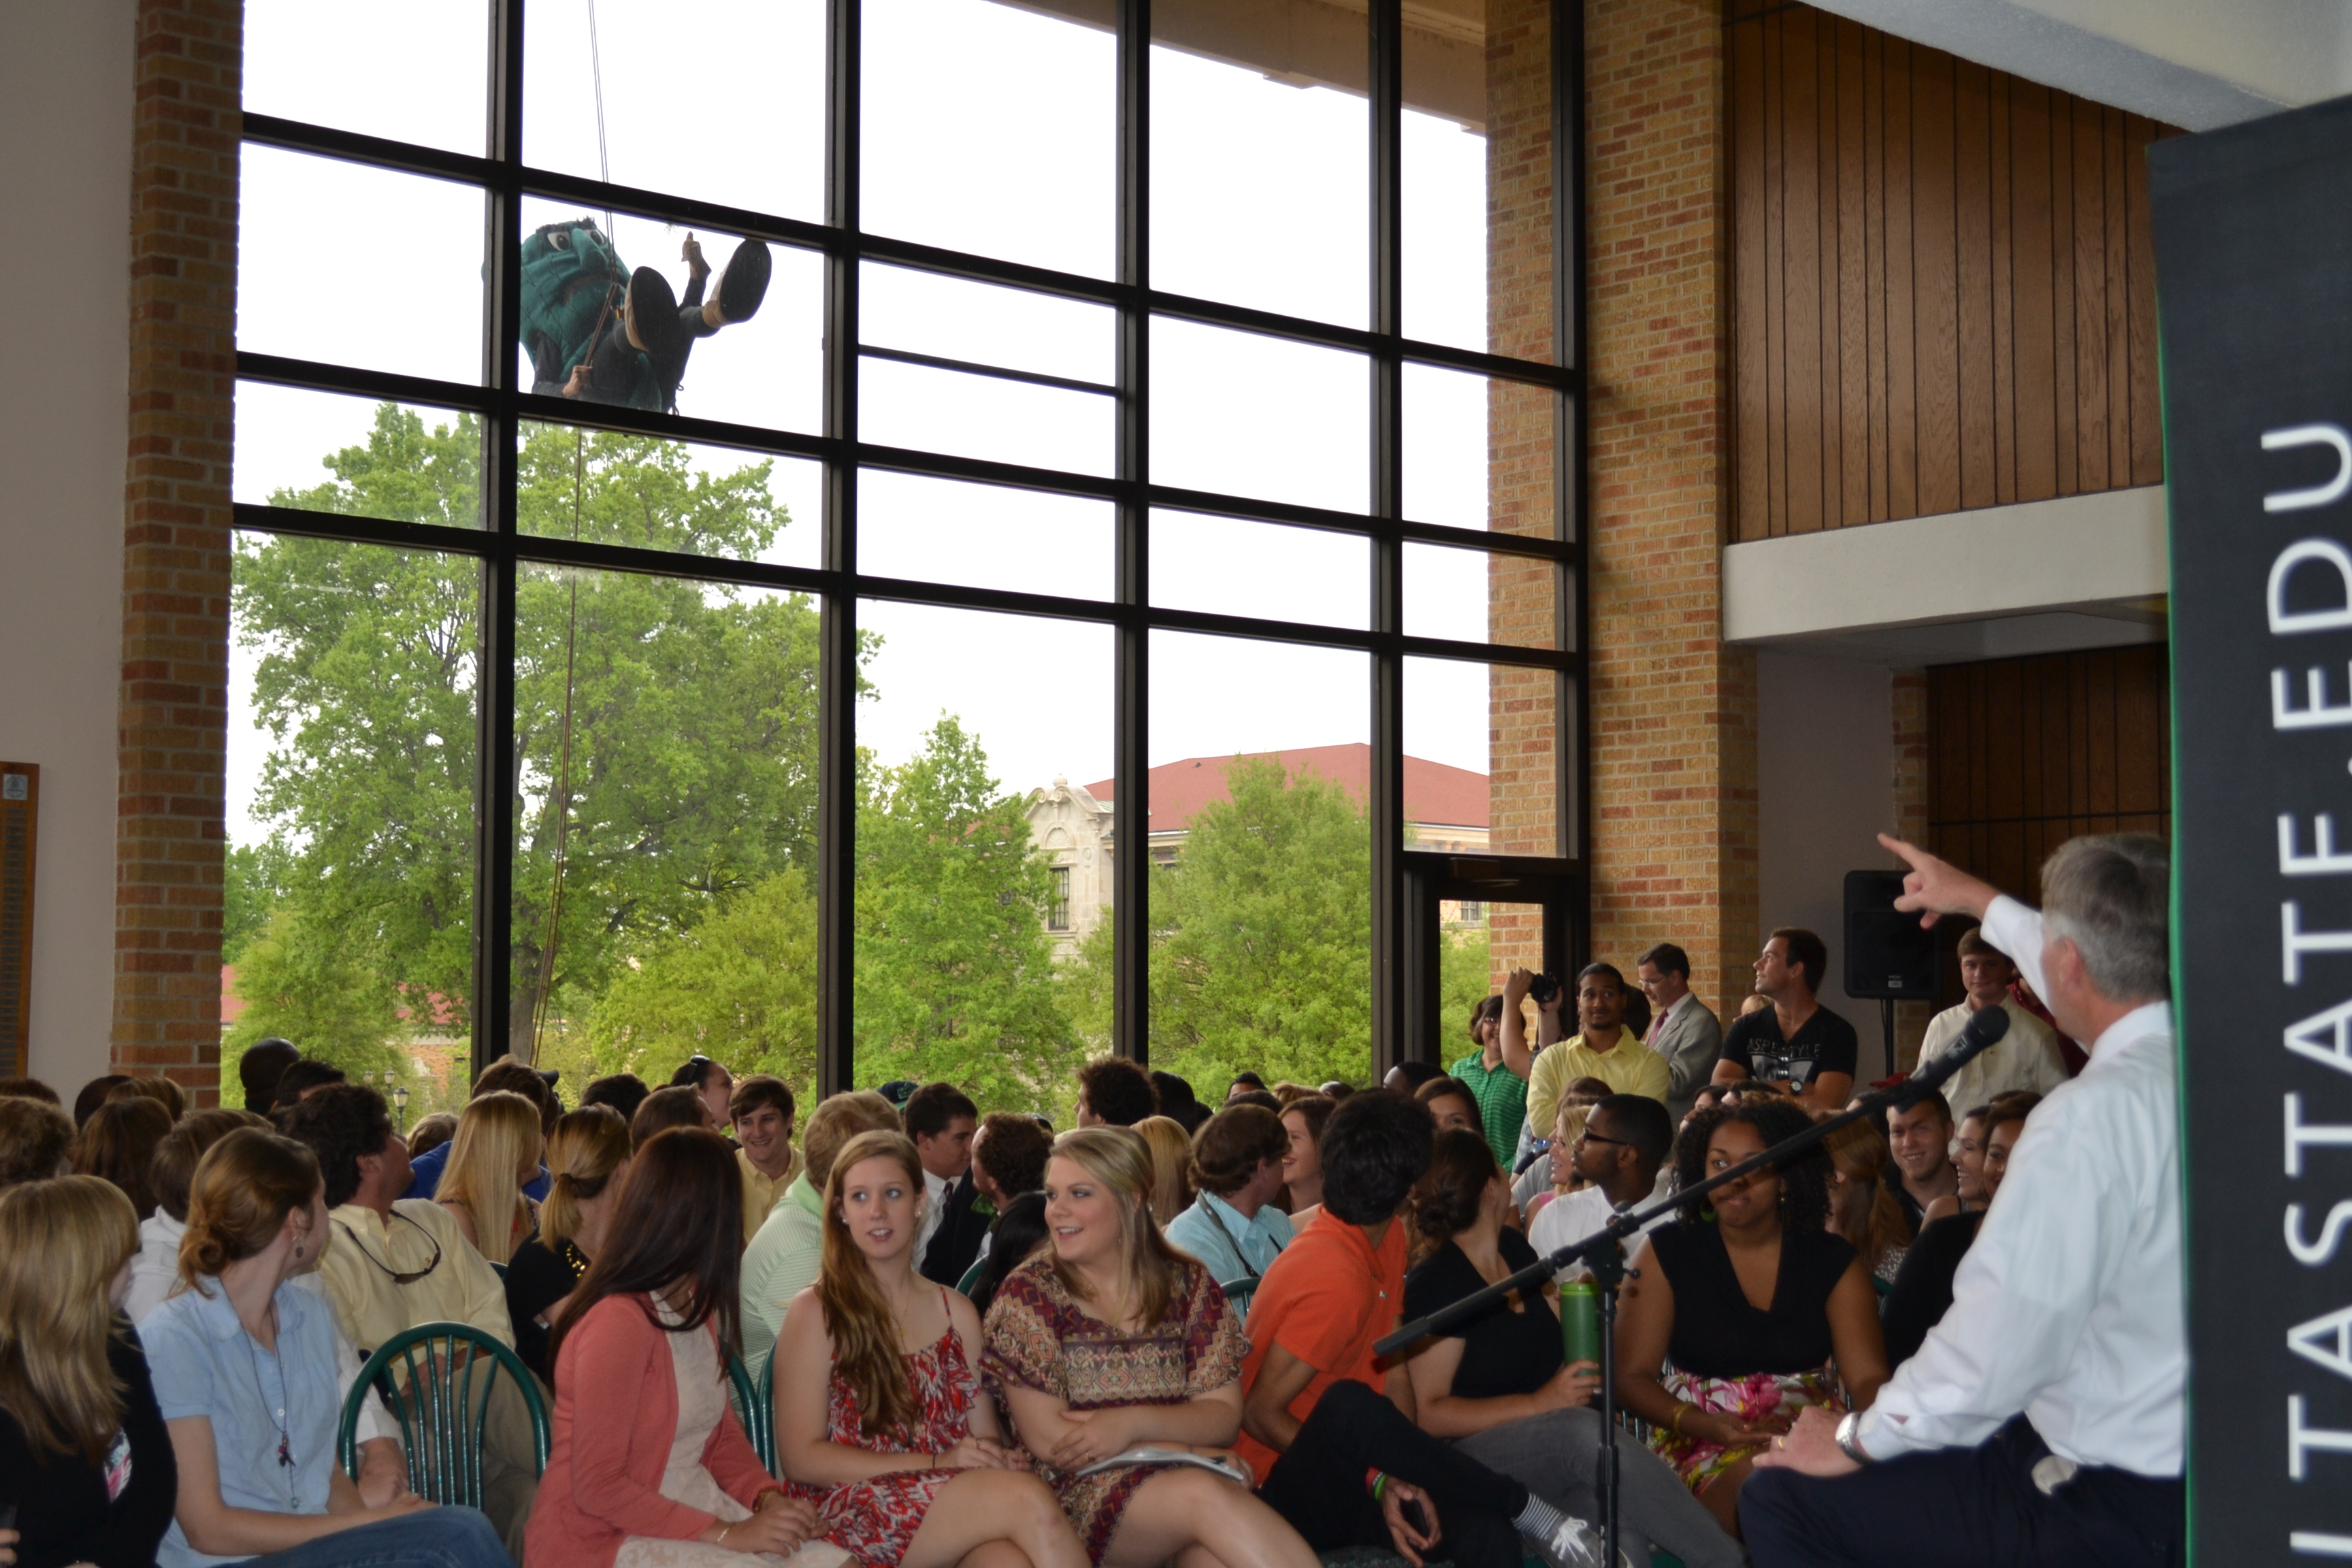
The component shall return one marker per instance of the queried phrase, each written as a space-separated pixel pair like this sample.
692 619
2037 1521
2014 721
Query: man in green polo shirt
1498 1074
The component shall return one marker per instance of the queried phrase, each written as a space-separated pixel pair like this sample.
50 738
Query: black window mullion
1386 794
1131 716
495 802
836 1065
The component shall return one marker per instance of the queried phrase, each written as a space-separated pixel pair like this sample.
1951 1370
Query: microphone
1985 1026
1542 1151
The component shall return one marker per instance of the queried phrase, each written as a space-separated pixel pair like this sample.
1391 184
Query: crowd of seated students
972 1311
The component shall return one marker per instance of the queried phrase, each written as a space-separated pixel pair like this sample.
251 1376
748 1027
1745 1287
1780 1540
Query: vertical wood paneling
1935 216
2034 388
2025 753
1802 140
1902 317
1852 292
2090 369
1972 276
1875 114
2002 286
1771 113
2147 411
2068 402
1942 282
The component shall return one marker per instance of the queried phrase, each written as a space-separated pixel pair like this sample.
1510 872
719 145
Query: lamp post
399 1095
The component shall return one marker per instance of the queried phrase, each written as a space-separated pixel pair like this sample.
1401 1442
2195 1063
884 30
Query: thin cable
596 76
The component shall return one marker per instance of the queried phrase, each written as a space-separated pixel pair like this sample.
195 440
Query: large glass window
1261 860
666 822
354 688
968 833
764 528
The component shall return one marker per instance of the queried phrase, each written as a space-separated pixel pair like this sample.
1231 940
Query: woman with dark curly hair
1747 1311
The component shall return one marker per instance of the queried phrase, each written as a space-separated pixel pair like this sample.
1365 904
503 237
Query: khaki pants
510 1465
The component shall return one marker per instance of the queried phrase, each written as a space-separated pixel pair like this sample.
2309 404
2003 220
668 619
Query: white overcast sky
986 129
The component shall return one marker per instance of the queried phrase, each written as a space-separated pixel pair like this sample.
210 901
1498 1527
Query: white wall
1825 787
65 259
2193 63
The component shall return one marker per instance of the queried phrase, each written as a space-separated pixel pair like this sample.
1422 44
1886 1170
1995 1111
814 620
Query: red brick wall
176 558
1524 752
1673 709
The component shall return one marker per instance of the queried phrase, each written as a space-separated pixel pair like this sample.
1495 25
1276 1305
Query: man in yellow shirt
761 1110
393 1263
1604 1049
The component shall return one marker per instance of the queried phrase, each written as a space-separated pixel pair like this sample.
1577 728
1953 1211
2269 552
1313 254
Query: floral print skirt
1756 1400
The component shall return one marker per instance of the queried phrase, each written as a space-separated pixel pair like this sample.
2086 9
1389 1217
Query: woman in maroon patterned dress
878 1416
1115 1340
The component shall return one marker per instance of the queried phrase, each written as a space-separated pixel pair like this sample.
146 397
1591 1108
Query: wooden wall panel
1942 289
2025 753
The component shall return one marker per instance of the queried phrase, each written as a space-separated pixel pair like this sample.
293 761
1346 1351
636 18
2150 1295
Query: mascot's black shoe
745 282
651 315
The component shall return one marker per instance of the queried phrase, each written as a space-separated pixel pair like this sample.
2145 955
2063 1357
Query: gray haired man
2053 1416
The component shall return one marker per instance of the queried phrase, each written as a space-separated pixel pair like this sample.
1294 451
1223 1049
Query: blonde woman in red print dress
879 1417
1112 1340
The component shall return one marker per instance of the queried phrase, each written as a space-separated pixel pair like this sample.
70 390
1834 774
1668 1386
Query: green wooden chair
755 1408
436 1380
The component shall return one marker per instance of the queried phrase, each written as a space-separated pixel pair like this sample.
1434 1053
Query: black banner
2253 246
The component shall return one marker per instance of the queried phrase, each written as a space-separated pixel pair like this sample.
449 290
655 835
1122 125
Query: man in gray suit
1682 1030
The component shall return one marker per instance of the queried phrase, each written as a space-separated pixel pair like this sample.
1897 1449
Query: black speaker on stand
1887 954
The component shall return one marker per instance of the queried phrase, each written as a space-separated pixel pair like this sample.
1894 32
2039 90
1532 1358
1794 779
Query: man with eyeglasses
1625 1140
393 1263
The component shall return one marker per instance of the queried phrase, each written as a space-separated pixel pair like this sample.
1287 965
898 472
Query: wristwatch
1849 1438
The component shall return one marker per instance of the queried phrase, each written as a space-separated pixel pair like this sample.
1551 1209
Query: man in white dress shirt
2026 1058
2042 1423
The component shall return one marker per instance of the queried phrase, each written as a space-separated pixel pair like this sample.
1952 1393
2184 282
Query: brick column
175 586
1524 738
1673 722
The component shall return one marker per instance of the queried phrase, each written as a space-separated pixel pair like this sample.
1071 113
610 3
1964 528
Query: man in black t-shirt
1795 1041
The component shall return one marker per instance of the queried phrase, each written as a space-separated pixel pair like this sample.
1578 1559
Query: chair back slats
438 1381
754 1404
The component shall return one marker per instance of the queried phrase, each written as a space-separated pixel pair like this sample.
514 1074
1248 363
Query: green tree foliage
740 986
955 975
1464 979
953 969
1263 932
1084 980
666 758
692 732
297 982
252 876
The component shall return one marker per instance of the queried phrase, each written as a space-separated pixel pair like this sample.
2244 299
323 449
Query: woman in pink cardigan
648 1467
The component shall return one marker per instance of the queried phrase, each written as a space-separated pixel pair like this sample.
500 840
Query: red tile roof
1434 793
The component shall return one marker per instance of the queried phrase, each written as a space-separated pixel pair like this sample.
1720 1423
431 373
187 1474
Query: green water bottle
1579 1322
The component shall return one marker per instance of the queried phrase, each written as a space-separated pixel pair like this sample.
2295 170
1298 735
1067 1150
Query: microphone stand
1603 1252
